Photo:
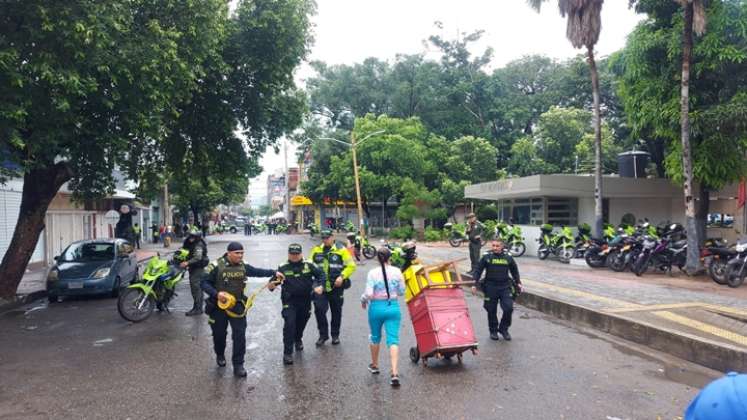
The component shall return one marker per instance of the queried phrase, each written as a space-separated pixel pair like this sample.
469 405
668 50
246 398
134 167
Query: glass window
521 214
720 220
562 211
91 251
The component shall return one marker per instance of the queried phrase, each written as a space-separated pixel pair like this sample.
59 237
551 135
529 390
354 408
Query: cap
295 249
235 246
326 233
722 399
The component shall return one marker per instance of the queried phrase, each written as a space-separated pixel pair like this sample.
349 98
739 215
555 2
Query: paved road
79 359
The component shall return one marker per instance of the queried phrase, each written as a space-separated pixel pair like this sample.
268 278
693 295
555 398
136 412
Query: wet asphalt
78 359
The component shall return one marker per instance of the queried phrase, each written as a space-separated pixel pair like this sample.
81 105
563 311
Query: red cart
439 314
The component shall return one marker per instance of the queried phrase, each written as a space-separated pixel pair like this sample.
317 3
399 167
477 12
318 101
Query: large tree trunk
693 241
598 205
39 188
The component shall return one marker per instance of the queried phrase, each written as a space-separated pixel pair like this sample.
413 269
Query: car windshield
92 251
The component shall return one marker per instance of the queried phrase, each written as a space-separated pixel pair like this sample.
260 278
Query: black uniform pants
494 296
296 314
219 322
332 300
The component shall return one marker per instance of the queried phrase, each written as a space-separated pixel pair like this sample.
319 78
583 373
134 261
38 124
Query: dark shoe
494 336
239 371
394 381
299 346
320 342
335 340
194 311
221 361
373 369
287 359
506 335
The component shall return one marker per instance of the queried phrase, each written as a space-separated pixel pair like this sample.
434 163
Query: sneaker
320 342
335 340
287 359
299 346
239 371
221 361
506 335
394 381
494 336
373 369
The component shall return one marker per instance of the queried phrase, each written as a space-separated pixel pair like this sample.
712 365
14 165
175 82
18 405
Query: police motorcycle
154 290
560 243
313 229
597 250
736 268
512 237
456 236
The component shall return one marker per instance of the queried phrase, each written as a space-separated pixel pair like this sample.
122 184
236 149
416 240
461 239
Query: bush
489 212
489 229
433 234
403 233
377 232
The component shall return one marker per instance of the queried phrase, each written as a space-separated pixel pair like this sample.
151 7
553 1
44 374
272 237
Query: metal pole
357 188
286 207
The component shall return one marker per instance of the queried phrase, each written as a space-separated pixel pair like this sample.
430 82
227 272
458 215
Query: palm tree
695 20
584 26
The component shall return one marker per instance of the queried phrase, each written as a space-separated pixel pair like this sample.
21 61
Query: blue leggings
381 313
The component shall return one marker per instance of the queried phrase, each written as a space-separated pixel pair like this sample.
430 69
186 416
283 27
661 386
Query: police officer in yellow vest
224 280
338 265
302 278
498 286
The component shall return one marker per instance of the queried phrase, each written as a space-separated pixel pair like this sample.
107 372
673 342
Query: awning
300 200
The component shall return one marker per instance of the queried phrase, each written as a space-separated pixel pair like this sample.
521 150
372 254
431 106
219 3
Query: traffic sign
112 217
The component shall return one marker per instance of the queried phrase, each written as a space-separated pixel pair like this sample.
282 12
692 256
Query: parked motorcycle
313 229
559 243
736 269
661 254
456 236
154 290
597 250
582 240
512 237
715 256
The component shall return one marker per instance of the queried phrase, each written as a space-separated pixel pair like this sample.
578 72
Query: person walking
384 285
196 262
136 232
474 234
154 233
224 281
337 264
498 287
302 278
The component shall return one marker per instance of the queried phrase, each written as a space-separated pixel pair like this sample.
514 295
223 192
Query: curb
699 350
23 300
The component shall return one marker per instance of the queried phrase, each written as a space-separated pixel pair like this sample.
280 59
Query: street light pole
286 207
357 188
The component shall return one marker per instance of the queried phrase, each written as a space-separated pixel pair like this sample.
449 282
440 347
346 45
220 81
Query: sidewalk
690 317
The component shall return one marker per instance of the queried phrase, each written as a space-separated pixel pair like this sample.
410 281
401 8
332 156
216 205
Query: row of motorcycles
510 234
314 230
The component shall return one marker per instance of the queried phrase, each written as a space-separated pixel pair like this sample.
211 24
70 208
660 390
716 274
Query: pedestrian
474 234
383 286
247 228
302 278
136 232
154 233
196 262
498 287
722 399
354 247
224 280
338 266
177 230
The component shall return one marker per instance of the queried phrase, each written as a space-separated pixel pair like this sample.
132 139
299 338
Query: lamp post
353 145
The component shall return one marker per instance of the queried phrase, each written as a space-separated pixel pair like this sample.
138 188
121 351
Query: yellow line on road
703 327
658 307
725 309
614 303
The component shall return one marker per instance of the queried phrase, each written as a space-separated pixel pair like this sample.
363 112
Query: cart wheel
448 356
415 355
459 358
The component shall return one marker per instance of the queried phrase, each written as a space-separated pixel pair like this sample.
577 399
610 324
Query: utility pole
286 206
357 187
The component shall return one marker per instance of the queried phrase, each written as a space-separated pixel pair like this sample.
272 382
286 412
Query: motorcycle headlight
741 247
53 275
101 273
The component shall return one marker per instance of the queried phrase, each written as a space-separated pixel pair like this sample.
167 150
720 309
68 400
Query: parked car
92 267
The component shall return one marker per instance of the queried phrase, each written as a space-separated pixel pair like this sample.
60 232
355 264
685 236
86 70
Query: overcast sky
348 31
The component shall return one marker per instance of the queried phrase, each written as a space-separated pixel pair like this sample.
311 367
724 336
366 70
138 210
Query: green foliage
402 233
264 210
489 228
487 212
432 234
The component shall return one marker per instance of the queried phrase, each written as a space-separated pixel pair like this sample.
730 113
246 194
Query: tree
87 86
584 26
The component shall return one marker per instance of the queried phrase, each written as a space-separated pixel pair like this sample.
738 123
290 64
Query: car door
127 264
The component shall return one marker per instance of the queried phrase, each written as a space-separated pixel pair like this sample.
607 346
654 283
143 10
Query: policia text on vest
228 275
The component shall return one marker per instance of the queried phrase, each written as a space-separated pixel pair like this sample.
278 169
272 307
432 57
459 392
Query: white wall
586 208
657 210
10 206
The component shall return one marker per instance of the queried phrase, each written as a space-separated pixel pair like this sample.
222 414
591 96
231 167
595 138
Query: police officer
302 278
197 260
474 234
136 232
338 265
498 287
224 276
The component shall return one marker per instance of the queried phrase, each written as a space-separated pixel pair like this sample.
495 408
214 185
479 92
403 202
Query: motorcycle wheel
641 265
543 252
616 261
234 230
517 249
566 254
717 271
733 277
455 242
129 302
593 259
369 251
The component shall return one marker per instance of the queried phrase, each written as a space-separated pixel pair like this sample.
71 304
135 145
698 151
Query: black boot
196 310
494 336
320 342
239 371
335 340
220 360
287 359
506 335
299 345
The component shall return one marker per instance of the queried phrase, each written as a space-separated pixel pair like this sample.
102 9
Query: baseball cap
235 246
295 249
326 233
722 399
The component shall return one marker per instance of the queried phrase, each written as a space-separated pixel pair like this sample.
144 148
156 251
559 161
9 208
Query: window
720 220
92 251
562 211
